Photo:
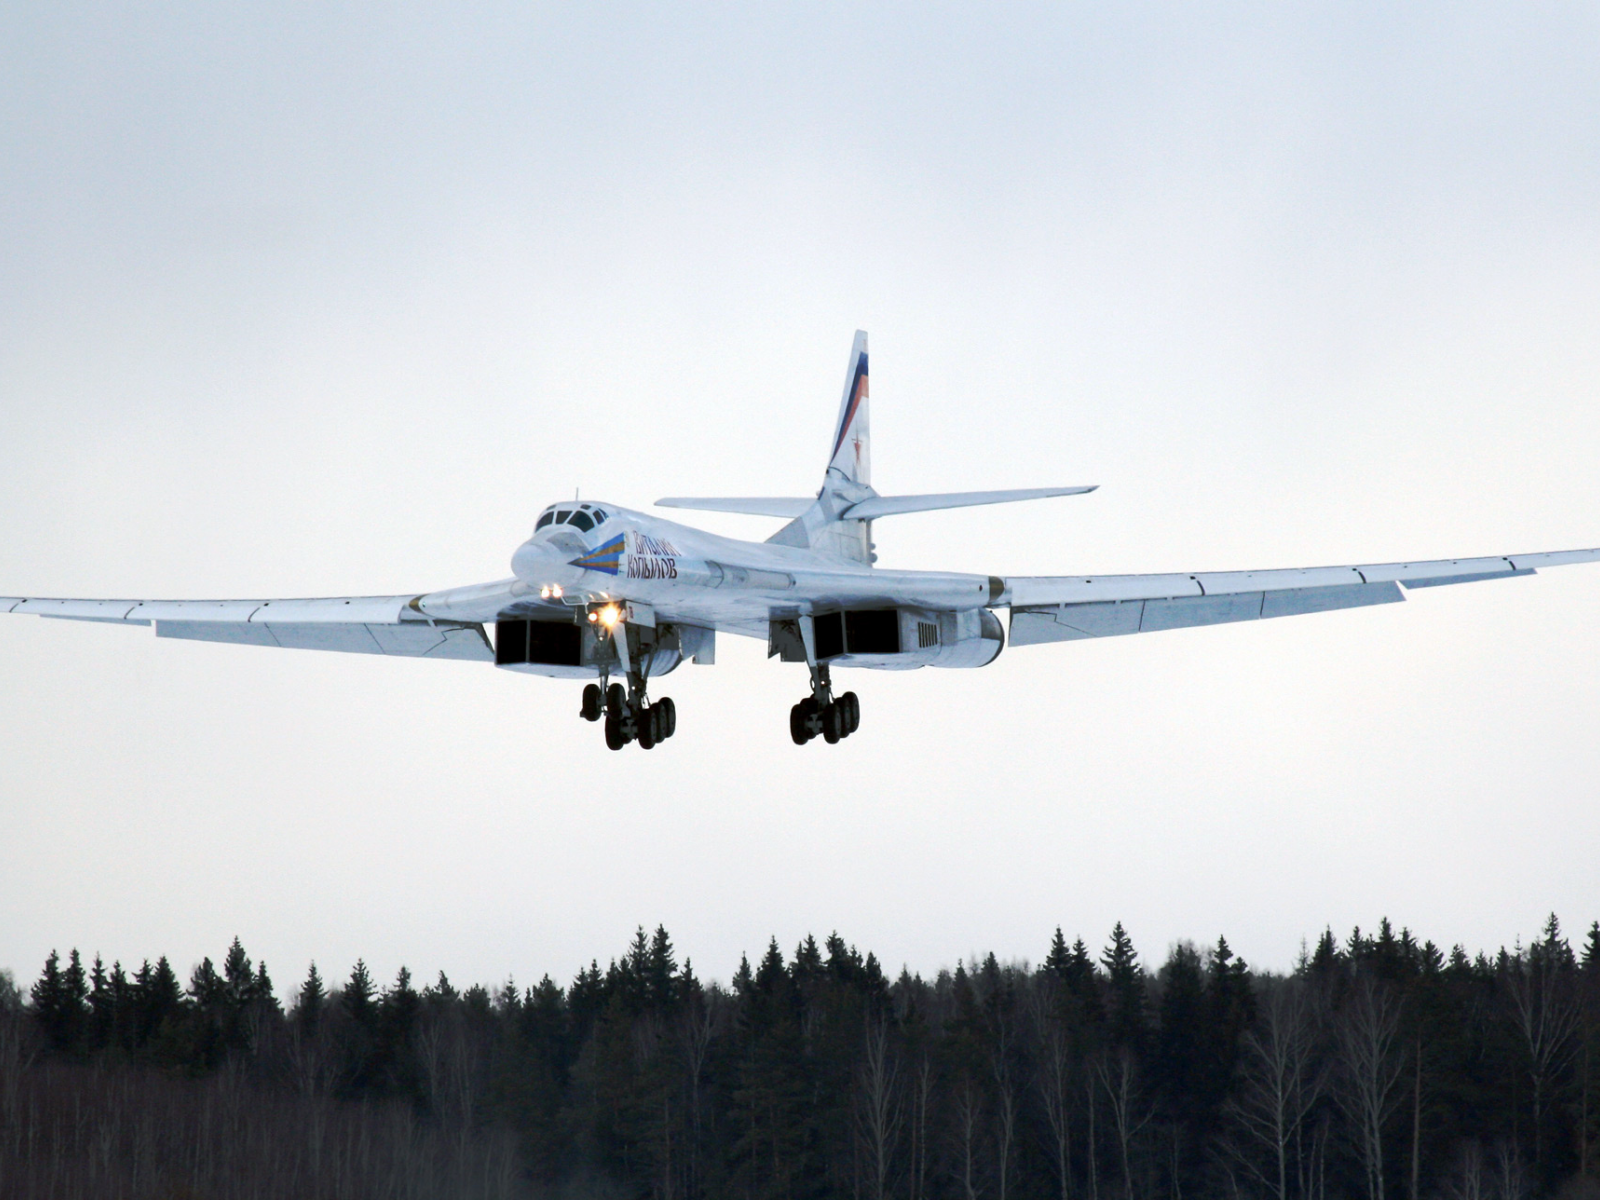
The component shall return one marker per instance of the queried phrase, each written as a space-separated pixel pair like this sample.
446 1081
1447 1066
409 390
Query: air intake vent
547 643
927 634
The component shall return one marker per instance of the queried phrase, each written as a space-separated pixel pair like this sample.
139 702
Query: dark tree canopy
1382 1067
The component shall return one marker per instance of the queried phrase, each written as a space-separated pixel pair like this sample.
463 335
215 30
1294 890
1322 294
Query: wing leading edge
392 625
1067 608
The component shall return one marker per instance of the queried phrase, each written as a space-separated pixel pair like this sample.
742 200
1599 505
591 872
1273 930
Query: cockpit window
581 520
545 520
599 516
561 517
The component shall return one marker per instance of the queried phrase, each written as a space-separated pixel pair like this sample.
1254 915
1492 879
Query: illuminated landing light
555 590
609 615
593 617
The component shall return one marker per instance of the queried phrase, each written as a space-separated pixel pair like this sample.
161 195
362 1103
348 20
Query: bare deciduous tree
1546 1010
1279 1082
1370 1067
1055 1083
1119 1078
879 1111
967 1113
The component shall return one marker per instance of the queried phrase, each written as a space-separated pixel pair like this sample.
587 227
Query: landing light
609 615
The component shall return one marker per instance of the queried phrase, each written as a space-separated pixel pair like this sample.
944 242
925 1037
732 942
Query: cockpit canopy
583 517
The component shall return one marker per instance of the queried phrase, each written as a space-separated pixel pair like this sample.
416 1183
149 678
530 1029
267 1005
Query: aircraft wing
432 625
1069 607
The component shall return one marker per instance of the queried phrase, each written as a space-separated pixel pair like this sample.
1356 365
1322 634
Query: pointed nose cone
541 563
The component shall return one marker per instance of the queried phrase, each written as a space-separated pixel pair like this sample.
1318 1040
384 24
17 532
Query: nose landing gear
821 713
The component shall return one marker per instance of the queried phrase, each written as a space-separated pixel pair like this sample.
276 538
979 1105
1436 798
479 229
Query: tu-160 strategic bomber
618 598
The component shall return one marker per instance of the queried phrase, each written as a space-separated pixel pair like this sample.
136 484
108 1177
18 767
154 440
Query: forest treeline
1380 1068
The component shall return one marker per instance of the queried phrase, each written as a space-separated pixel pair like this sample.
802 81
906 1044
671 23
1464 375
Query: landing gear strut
821 713
629 716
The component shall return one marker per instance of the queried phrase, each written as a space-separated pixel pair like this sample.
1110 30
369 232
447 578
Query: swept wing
1064 608
438 625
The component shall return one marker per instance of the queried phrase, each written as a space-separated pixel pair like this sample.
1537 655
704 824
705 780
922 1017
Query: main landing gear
630 717
821 713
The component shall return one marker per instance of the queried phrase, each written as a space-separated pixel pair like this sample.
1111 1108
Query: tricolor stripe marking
858 393
606 558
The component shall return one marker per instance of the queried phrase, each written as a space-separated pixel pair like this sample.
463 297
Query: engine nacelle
978 637
895 639
567 650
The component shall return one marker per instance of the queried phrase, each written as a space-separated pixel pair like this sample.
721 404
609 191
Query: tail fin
852 436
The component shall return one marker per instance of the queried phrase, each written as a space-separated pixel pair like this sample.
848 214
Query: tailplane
838 522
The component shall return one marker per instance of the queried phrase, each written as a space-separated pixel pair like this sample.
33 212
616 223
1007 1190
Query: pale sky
315 299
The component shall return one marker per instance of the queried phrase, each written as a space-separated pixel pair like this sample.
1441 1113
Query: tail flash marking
858 393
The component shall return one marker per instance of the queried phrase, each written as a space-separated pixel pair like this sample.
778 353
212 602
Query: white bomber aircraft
601 592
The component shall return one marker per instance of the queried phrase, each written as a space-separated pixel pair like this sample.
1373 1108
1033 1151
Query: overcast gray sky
331 299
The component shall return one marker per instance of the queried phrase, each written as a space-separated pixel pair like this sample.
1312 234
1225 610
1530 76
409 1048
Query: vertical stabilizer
852 436
848 480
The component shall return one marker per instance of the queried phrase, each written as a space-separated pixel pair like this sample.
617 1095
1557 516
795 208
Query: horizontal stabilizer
755 506
884 506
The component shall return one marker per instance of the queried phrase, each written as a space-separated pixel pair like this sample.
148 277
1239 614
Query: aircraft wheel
615 738
851 704
594 702
617 699
832 724
649 720
797 724
669 717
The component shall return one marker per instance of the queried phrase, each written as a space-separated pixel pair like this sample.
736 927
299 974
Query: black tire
850 707
594 702
649 721
797 725
669 717
614 736
616 699
832 724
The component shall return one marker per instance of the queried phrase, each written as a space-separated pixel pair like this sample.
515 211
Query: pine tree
660 971
441 995
206 987
49 996
1326 957
397 1028
262 991
124 1014
1057 962
358 995
164 996
1230 1011
102 1008
238 976
309 1002
1125 1015
1182 1036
